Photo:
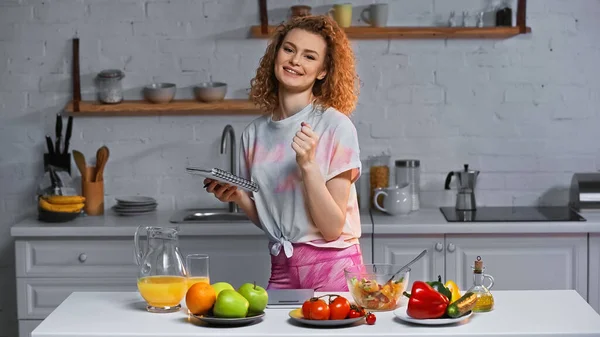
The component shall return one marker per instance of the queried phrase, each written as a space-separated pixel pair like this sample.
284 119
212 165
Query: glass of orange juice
197 268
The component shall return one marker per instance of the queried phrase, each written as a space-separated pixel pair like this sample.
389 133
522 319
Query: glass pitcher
162 278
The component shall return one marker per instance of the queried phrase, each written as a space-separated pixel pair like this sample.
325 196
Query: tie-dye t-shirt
267 158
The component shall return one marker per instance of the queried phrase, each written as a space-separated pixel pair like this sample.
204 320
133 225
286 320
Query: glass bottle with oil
485 299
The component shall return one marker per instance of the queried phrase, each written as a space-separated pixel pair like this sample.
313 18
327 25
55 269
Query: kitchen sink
203 215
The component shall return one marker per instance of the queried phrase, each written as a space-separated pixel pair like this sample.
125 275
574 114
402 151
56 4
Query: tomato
358 309
306 308
371 318
339 307
315 309
354 314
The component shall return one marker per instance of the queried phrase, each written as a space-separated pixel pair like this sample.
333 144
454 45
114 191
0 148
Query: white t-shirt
267 158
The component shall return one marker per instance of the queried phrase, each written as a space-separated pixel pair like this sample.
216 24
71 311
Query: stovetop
512 214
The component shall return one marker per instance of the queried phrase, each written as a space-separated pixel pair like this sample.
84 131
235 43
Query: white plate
230 321
136 199
120 207
130 213
297 316
402 315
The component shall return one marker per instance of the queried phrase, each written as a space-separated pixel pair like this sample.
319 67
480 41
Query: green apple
221 286
257 296
230 304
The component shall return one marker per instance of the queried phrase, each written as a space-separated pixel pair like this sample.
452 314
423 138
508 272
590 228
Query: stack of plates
135 205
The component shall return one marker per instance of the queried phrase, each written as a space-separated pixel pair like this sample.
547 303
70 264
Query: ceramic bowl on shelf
210 91
160 92
368 287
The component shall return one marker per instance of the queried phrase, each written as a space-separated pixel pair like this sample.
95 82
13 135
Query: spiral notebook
224 176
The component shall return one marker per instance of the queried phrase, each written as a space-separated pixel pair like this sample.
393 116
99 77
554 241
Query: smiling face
300 60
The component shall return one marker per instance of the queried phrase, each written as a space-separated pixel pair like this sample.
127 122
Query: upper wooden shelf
176 107
360 32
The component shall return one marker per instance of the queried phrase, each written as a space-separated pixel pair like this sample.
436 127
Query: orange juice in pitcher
162 278
162 291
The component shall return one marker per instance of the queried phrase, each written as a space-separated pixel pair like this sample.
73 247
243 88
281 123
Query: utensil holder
93 191
61 160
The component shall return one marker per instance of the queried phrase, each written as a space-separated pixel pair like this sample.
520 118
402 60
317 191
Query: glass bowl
367 285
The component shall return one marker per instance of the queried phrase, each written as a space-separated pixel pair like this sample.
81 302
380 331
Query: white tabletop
517 313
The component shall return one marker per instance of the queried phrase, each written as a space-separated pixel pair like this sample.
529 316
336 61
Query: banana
72 208
64 199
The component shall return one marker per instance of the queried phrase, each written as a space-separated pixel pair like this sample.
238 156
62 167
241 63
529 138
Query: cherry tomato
358 309
371 318
315 309
306 308
339 307
354 314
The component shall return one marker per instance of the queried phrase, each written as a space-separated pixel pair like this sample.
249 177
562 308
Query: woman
304 155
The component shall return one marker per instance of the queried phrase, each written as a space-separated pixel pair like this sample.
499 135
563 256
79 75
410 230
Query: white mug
396 200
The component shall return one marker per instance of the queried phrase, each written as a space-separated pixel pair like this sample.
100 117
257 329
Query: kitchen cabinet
400 249
594 271
49 269
516 261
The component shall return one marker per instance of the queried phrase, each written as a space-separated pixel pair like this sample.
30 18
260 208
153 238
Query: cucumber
463 305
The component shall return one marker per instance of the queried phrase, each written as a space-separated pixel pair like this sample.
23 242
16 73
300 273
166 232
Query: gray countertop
424 221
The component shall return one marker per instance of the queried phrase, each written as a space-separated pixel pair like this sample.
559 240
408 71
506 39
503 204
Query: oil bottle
485 299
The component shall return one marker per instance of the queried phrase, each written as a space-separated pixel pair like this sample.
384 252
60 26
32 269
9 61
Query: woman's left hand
305 145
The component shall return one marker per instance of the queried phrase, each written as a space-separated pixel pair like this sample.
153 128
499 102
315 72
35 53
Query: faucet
233 207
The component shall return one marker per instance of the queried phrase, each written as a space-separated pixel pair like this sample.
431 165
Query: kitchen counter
517 313
424 221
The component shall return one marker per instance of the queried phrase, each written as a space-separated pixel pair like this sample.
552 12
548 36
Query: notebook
224 176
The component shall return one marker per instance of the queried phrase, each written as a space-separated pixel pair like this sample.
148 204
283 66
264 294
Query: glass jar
379 174
408 172
485 299
110 88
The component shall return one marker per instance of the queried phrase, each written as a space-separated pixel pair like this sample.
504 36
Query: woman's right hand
223 191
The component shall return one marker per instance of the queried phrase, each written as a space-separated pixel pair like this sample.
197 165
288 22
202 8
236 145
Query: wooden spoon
101 159
81 165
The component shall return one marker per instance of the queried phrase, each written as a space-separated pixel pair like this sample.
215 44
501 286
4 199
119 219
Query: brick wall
522 110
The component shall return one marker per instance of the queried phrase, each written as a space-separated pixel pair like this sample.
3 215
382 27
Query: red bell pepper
425 302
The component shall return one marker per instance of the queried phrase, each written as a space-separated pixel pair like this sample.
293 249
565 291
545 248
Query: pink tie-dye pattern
326 142
289 183
261 155
342 156
321 269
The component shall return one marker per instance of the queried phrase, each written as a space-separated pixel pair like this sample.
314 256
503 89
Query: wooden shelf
360 32
176 107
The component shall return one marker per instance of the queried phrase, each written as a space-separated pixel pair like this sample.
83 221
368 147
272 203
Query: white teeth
291 71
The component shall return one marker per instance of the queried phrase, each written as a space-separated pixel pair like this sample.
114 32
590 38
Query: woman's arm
226 193
326 201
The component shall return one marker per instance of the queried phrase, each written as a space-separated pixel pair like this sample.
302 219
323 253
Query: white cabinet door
232 259
594 272
38 297
366 248
520 261
27 326
400 249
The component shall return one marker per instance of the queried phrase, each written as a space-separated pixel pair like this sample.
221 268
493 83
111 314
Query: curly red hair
339 89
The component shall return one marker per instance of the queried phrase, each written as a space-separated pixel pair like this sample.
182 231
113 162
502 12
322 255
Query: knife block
93 191
60 160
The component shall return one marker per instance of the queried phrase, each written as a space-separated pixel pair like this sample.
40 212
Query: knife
49 145
68 134
58 132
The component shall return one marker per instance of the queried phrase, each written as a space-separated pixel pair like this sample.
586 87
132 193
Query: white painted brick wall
523 110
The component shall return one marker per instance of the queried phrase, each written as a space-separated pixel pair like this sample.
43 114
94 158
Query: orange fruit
200 298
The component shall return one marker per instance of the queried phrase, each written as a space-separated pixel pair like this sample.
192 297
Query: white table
517 313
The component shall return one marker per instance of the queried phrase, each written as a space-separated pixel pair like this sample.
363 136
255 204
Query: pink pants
320 269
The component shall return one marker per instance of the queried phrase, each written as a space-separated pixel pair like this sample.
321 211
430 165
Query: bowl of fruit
373 287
